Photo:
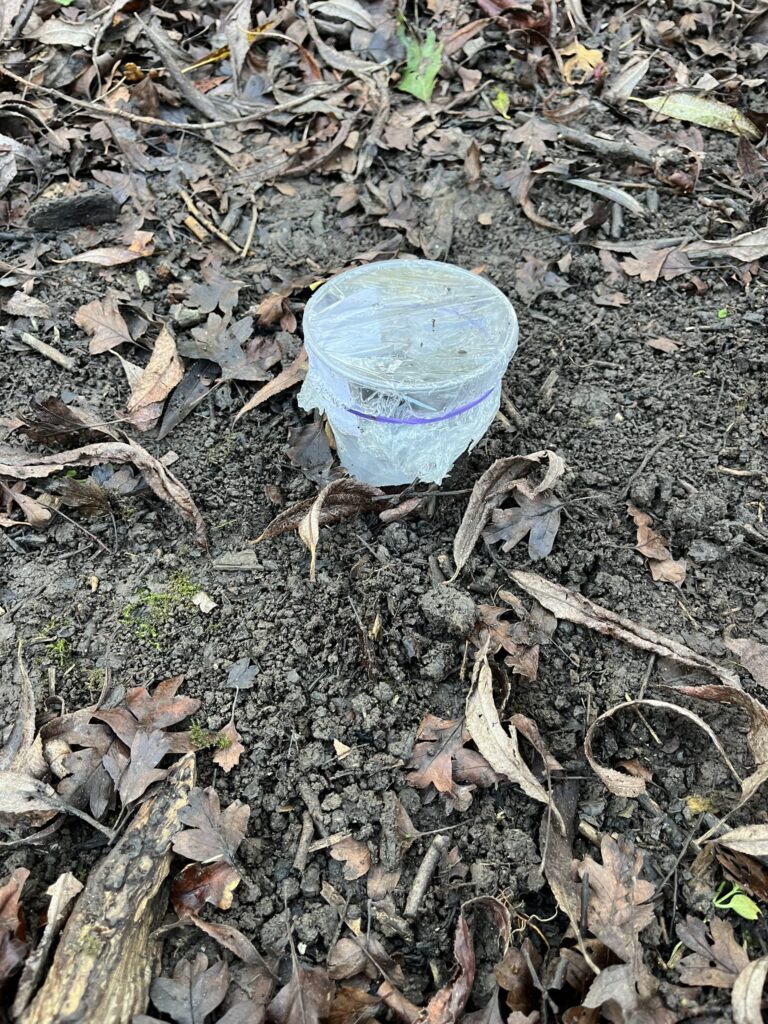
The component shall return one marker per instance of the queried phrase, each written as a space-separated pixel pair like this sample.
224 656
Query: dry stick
302 850
432 857
251 230
603 147
193 97
656 448
48 351
313 806
100 110
21 19
208 224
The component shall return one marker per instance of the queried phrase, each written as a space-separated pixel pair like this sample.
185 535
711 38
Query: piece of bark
94 206
105 959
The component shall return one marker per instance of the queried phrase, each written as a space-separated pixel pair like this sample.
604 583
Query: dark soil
585 384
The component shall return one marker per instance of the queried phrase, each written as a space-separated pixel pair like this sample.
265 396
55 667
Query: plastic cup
406 359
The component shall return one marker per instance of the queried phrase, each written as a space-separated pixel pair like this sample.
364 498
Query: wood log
106 956
93 206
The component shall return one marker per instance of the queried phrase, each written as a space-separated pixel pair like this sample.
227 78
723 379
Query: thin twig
313 806
302 850
647 458
603 147
251 230
101 111
194 97
207 223
48 351
432 858
79 526
646 675
21 19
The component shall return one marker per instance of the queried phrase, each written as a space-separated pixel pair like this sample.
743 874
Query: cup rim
507 346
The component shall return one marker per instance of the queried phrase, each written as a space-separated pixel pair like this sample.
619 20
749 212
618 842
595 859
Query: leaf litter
323 91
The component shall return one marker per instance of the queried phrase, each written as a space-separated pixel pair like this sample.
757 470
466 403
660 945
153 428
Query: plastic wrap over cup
406 359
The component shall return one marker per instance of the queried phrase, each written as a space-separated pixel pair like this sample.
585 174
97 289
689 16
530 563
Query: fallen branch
620 151
103 965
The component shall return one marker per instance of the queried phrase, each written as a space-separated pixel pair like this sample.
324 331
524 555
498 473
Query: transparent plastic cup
406 359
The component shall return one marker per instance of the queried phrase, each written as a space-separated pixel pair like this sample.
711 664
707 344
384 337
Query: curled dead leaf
21 465
491 490
633 785
499 747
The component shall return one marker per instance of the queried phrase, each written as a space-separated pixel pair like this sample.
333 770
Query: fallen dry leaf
239 353
517 181
338 500
159 709
522 655
752 655
747 995
21 465
352 1004
621 86
751 872
750 839
211 834
652 546
194 991
355 856
111 256
230 938
520 640
146 753
583 65
448 1004
441 759
570 606
160 376
513 975
703 110
634 785
289 377
198 884
717 963
747 247
37 515
306 999
619 900
228 755
492 489
13 947
663 344
62 893
102 320
631 990
757 738
364 955
534 135
23 765
50 419
534 278
537 517
499 747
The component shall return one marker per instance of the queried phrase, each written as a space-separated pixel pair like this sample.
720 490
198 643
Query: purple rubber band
416 420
